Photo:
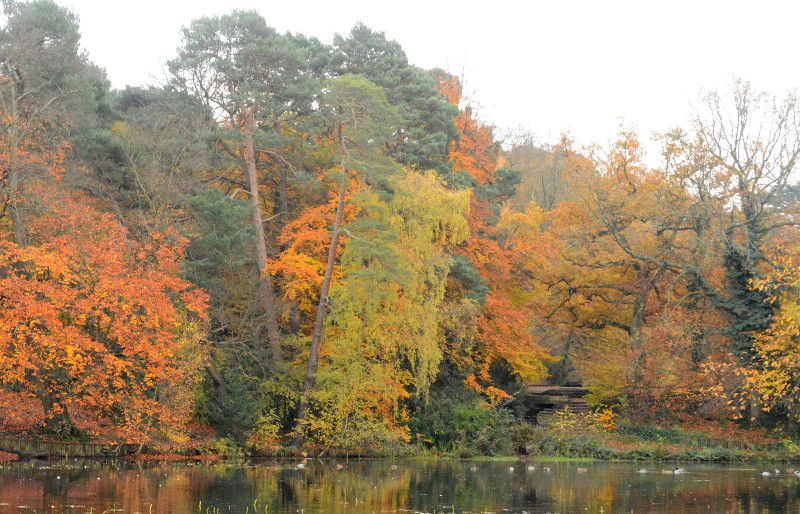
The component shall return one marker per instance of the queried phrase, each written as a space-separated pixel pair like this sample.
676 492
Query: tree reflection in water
389 486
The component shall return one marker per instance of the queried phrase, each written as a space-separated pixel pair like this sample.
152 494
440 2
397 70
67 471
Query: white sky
547 66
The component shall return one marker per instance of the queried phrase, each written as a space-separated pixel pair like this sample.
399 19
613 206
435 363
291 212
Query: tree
541 166
254 80
595 266
773 378
474 151
360 118
746 149
94 319
426 128
41 77
383 341
150 156
656 253
488 272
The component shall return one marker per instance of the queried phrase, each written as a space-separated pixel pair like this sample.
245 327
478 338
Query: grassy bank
720 442
571 436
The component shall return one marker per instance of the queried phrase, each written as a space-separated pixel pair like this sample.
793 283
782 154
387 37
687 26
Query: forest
298 245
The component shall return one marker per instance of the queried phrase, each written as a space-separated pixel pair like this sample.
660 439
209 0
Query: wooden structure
540 402
37 449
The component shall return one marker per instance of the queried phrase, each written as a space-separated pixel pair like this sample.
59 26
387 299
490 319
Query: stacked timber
542 402
576 406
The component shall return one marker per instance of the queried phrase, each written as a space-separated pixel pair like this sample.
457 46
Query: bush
653 433
264 438
558 442
233 413
222 446
458 421
370 436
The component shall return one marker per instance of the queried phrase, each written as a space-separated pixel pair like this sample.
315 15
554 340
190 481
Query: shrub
559 442
653 433
265 435
458 421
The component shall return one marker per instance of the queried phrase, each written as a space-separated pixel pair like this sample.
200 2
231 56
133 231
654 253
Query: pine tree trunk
267 292
283 197
15 186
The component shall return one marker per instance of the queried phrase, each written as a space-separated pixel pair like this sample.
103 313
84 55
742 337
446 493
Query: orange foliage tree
503 331
93 319
474 151
606 262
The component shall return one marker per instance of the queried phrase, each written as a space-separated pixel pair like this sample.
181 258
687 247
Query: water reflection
391 486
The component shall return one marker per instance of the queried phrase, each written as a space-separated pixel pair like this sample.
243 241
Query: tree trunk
283 197
15 185
216 378
17 224
639 307
56 417
267 292
756 410
319 323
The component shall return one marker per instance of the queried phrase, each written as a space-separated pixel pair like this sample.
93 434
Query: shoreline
643 452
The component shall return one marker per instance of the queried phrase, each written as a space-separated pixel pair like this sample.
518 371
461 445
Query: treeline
309 244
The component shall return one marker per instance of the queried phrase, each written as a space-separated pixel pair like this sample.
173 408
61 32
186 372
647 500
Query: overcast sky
547 66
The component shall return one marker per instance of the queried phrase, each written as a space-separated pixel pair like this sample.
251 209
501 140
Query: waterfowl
531 468
640 470
474 469
765 473
511 469
582 470
547 470
678 471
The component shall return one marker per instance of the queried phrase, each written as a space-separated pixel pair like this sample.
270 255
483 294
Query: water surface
332 486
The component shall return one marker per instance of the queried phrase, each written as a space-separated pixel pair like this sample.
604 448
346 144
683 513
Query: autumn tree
383 342
360 118
673 247
487 276
601 257
43 81
541 167
774 378
473 152
93 319
736 166
745 149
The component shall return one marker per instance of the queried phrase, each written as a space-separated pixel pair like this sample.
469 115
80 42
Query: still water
352 486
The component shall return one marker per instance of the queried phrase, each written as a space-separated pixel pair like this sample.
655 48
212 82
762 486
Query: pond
393 486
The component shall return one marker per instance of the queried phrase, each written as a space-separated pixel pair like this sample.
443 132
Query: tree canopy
323 245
